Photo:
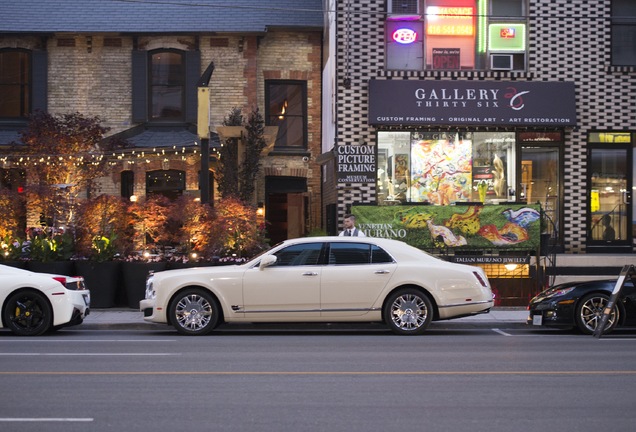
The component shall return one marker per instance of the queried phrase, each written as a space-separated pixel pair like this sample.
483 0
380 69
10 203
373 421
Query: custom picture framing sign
457 227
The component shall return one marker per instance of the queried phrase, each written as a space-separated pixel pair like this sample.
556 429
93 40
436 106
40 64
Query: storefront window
456 34
610 170
540 182
445 167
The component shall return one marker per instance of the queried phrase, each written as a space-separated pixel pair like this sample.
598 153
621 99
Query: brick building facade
109 65
560 43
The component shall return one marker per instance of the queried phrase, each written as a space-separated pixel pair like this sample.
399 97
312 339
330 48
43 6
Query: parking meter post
627 271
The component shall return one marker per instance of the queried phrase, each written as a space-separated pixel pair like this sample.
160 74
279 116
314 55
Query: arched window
169 183
127 184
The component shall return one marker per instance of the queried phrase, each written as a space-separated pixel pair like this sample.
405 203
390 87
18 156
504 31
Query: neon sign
507 33
450 21
405 36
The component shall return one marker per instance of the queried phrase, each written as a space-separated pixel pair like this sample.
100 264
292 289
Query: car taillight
61 280
480 279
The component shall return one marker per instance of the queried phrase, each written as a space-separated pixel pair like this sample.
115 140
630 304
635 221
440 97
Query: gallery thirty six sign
481 103
356 163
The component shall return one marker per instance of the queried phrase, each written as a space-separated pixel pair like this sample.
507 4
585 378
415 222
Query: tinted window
297 255
379 255
350 253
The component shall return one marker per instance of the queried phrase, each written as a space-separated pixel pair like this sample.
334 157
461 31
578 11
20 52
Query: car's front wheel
408 312
194 312
28 313
590 311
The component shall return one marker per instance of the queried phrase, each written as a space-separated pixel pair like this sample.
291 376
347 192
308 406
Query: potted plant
148 220
11 226
101 240
50 250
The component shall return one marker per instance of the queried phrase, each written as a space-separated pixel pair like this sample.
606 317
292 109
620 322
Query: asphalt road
457 377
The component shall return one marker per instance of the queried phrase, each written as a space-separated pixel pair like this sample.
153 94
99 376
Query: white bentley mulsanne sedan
321 279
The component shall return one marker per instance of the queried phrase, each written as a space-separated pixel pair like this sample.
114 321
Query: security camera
305 159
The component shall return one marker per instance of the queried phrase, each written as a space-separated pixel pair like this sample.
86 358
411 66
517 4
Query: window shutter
39 89
139 86
193 73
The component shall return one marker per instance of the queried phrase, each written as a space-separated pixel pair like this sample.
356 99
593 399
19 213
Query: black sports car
581 305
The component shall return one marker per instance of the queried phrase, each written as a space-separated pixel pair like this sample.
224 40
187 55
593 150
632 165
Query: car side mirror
267 261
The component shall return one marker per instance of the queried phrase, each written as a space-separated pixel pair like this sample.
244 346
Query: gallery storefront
471 170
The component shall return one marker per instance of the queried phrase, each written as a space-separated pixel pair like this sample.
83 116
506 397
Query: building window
127 184
457 34
164 85
169 183
13 179
167 85
286 107
623 33
15 83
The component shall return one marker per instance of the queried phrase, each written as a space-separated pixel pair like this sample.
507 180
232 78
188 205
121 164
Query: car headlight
557 292
150 288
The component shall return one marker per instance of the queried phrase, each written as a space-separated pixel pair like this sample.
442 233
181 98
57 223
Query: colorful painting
515 226
440 170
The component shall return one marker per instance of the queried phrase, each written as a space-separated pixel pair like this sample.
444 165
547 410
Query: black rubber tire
28 313
194 312
589 312
408 311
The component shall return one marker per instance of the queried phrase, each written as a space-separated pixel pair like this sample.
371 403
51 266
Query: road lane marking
501 332
325 373
87 354
87 340
45 419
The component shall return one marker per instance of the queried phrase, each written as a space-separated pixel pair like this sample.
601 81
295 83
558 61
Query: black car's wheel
194 312
408 312
589 312
28 313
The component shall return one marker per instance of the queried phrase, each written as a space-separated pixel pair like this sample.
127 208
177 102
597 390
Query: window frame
481 55
152 85
25 88
617 22
269 115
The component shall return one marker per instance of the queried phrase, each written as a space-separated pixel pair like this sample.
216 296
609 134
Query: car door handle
382 271
310 274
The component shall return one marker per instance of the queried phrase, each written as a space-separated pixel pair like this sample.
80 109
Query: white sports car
321 279
34 303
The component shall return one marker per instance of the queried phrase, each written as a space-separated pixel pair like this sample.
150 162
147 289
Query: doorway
285 207
609 179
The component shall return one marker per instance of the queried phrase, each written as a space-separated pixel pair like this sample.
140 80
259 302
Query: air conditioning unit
501 62
403 7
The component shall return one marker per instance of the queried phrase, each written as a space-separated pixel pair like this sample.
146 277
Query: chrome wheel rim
592 311
193 312
409 312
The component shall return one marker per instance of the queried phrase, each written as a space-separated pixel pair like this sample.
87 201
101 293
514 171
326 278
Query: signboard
450 21
445 58
356 163
481 103
507 37
458 227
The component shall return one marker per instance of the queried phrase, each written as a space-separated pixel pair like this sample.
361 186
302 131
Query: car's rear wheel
408 312
28 313
194 312
590 311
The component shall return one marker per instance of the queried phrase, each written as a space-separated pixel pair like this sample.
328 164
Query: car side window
379 255
298 255
350 253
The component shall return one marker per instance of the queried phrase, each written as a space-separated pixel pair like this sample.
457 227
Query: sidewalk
130 319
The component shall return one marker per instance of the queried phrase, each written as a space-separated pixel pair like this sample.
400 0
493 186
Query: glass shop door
609 196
